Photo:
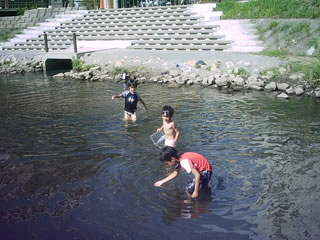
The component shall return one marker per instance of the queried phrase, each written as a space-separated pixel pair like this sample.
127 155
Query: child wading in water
169 127
190 162
131 100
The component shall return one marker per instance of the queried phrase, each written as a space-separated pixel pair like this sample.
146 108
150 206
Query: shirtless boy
169 127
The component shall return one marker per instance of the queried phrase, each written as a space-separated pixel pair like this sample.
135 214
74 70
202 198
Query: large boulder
222 81
298 90
282 86
272 86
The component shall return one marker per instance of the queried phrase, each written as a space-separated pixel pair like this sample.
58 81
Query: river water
72 169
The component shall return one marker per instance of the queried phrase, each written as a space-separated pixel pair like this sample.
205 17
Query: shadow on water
70 168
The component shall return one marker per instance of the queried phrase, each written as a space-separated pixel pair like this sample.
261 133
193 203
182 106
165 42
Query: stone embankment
10 64
226 75
220 75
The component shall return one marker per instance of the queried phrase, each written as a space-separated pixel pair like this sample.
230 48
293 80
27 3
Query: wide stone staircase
149 28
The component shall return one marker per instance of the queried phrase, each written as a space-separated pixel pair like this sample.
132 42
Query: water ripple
66 154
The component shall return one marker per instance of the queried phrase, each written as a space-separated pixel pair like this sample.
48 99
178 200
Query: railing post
75 42
46 48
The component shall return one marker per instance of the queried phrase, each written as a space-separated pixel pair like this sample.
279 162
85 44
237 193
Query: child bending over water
190 162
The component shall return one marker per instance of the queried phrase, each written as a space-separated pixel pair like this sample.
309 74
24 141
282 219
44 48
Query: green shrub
311 70
79 65
21 11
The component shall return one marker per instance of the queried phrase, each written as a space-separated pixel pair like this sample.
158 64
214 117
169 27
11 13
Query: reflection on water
70 168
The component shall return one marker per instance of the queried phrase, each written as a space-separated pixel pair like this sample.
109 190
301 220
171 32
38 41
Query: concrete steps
115 24
97 21
187 27
40 28
155 28
172 47
202 45
242 33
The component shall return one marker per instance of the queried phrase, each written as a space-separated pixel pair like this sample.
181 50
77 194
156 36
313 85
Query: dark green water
71 169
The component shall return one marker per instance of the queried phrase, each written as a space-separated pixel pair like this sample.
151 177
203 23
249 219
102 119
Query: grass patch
270 9
272 25
310 70
301 27
4 36
285 27
261 31
119 70
313 42
242 72
6 62
274 53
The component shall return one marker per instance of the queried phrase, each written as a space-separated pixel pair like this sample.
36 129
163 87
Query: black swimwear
131 101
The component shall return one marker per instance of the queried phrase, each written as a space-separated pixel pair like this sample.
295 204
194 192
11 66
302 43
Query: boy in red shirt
190 162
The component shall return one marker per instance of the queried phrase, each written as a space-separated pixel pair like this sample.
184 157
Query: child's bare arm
168 178
197 182
116 96
145 106
174 127
160 129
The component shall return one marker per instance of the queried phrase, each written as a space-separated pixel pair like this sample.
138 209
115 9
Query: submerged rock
283 95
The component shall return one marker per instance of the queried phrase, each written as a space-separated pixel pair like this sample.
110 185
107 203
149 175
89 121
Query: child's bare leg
126 116
134 117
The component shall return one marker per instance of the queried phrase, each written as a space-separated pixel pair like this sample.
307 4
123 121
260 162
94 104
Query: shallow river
70 168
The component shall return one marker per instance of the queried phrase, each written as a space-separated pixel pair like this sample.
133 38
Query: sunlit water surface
72 169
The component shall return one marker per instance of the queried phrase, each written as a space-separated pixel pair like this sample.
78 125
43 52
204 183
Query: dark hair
166 153
132 83
167 111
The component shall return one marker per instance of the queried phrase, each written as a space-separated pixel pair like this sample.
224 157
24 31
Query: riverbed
71 168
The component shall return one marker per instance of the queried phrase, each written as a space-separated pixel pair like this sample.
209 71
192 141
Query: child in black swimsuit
131 100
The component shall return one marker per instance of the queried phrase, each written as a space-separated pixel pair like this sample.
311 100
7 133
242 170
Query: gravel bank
162 60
